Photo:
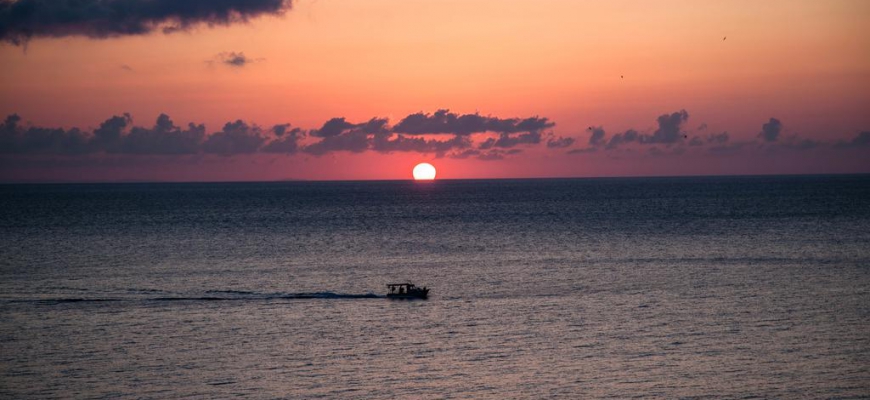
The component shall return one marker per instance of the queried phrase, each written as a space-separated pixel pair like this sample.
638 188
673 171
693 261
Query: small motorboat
406 291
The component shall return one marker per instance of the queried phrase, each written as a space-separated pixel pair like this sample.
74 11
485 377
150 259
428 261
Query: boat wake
236 295
211 295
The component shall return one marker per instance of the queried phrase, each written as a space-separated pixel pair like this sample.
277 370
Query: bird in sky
724 37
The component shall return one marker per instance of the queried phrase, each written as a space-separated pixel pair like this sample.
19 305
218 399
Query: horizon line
121 182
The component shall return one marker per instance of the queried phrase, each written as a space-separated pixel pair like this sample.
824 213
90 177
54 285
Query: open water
735 287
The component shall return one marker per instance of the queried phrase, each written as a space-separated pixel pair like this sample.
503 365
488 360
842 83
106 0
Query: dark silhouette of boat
406 291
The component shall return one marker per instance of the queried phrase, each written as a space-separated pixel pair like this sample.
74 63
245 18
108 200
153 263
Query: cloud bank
118 135
442 134
672 135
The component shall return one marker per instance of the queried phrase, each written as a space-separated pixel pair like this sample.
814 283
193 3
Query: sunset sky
478 88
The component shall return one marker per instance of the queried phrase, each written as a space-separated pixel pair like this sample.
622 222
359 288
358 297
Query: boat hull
408 296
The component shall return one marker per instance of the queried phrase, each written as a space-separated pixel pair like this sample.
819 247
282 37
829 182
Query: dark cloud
333 127
234 59
10 133
443 121
532 124
355 141
286 145
17 139
286 140
487 144
597 137
108 136
384 143
506 140
117 135
770 131
374 125
235 138
340 135
619 139
669 130
862 140
280 129
560 142
163 138
21 20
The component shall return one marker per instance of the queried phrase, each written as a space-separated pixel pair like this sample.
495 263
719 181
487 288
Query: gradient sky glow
616 66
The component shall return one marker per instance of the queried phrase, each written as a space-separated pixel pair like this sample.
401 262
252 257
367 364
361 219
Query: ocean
696 287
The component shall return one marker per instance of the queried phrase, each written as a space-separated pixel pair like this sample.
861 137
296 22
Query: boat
406 290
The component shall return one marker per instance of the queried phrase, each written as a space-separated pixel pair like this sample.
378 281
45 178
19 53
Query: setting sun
424 172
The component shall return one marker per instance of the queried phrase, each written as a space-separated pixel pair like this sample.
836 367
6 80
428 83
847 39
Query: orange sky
806 63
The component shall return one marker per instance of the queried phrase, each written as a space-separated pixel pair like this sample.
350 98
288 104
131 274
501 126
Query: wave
211 295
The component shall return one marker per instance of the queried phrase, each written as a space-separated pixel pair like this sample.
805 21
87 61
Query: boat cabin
406 290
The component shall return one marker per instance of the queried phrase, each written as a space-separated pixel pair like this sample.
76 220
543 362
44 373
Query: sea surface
703 287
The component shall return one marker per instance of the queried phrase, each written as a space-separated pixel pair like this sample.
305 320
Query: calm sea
734 287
